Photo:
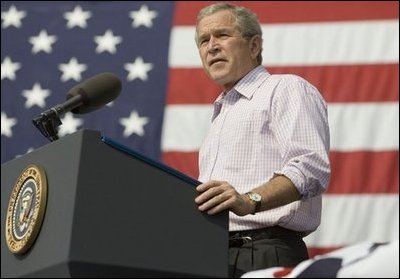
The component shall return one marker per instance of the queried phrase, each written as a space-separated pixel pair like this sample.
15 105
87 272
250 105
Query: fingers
210 184
212 202
210 189
219 207
215 196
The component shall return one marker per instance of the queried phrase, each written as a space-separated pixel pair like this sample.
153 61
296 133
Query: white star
42 42
143 17
69 124
77 17
6 124
8 68
138 69
36 96
133 124
72 70
12 17
107 42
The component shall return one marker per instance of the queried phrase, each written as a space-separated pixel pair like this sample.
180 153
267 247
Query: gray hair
246 21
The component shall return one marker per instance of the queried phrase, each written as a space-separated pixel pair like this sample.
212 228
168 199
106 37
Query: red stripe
352 172
186 162
350 83
299 11
314 251
364 172
190 86
284 272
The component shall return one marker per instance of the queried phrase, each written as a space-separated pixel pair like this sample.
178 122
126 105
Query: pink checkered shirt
265 125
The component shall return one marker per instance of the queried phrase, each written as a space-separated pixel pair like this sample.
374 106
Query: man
265 158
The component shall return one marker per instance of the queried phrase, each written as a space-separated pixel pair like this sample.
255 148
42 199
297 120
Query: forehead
222 19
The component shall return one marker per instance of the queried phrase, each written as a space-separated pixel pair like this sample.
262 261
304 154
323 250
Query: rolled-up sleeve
300 125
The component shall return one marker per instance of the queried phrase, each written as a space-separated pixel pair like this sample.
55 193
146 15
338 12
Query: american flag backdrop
348 50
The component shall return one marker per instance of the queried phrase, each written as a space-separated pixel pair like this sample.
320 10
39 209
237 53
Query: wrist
255 200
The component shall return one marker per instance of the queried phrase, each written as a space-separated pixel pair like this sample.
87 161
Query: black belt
238 238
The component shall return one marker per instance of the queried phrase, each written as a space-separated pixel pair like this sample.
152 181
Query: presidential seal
26 209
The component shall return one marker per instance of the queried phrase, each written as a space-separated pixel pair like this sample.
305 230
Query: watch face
255 197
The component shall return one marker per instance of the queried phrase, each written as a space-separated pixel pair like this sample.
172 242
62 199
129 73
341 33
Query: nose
213 45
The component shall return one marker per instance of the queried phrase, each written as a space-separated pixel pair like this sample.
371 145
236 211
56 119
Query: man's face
225 54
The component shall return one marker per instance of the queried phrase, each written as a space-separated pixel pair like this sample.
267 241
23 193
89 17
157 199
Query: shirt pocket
259 122
241 139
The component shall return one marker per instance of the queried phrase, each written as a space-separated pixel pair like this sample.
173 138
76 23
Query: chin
220 78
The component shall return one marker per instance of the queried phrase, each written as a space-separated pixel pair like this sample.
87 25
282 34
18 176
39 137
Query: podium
112 212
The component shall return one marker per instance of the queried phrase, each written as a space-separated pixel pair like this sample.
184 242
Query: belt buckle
246 239
240 240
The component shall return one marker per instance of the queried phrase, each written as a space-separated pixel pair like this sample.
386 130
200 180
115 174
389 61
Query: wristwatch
256 198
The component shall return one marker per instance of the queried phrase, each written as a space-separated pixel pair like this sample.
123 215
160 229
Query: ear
255 46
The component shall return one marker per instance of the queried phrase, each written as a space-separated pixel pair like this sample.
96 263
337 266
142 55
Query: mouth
216 60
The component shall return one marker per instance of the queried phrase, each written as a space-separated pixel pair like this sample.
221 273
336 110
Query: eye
204 41
222 35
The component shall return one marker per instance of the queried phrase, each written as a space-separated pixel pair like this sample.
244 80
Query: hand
217 196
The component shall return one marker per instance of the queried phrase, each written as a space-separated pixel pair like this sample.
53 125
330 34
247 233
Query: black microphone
84 97
89 95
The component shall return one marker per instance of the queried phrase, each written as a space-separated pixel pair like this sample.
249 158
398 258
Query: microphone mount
48 121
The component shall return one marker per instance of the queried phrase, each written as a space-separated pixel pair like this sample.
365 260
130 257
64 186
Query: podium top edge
149 161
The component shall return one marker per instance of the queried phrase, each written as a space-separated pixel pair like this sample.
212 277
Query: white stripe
328 43
185 127
365 126
350 219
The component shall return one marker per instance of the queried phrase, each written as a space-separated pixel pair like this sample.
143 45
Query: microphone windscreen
96 92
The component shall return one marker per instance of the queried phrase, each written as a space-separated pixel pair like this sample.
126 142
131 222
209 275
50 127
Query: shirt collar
248 84
251 82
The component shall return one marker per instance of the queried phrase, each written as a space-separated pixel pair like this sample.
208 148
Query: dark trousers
264 248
